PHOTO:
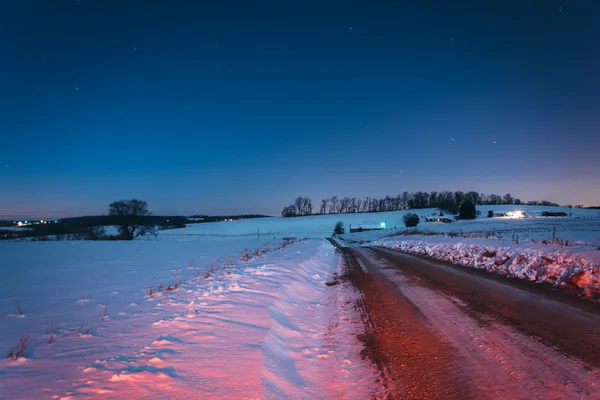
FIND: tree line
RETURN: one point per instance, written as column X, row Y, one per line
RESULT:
column 446, row 200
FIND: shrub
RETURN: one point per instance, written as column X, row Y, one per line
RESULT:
column 490, row 214
column 339, row 228
column 410, row 220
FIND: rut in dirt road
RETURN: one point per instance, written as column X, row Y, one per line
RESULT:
column 437, row 331
column 413, row 362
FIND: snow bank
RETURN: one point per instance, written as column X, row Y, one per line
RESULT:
column 574, row 267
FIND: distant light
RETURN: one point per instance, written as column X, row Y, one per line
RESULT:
column 383, row 224
column 515, row 214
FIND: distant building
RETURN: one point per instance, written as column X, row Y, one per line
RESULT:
column 554, row 214
column 445, row 219
column 515, row 214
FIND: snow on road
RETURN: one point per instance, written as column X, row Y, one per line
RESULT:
column 266, row 328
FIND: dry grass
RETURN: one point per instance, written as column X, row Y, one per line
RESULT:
column 19, row 350
column 18, row 307
column 50, row 333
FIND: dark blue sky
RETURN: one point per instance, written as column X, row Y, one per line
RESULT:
column 239, row 106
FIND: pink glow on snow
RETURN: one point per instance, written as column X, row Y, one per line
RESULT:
column 269, row 329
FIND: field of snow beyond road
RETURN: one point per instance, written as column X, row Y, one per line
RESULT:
column 584, row 225
column 562, row 266
column 268, row 327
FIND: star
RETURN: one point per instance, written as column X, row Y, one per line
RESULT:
column 452, row 138
column 135, row 49
column 76, row 88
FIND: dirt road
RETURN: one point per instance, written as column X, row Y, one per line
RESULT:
column 445, row 332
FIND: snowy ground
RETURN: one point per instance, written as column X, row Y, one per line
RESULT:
column 265, row 328
column 563, row 252
column 268, row 327
column 585, row 224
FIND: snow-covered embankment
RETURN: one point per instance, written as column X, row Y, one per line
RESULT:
column 561, row 266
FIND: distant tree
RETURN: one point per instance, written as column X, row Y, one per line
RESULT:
column 366, row 203
column 289, row 211
column 323, row 209
column 508, row 199
column 339, row 228
column 459, row 198
column 478, row 213
column 95, row 233
column 307, row 206
column 467, row 211
column 490, row 213
column 473, row 197
column 131, row 218
column 495, row 199
column 344, row 201
column 353, row 204
column 334, row 201
column 405, row 199
column 410, row 220
column 299, row 203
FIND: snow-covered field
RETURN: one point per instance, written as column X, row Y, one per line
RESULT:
column 585, row 225
column 563, row 252
column 265, row 328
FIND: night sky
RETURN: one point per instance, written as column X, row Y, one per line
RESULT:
column 221, row 107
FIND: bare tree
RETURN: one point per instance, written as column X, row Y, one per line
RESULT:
column 323, row 206
column 366, row 204
column 299, row 203
column 307, row 206
column 334, row 201
column 344, row 202
column 131, row 217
